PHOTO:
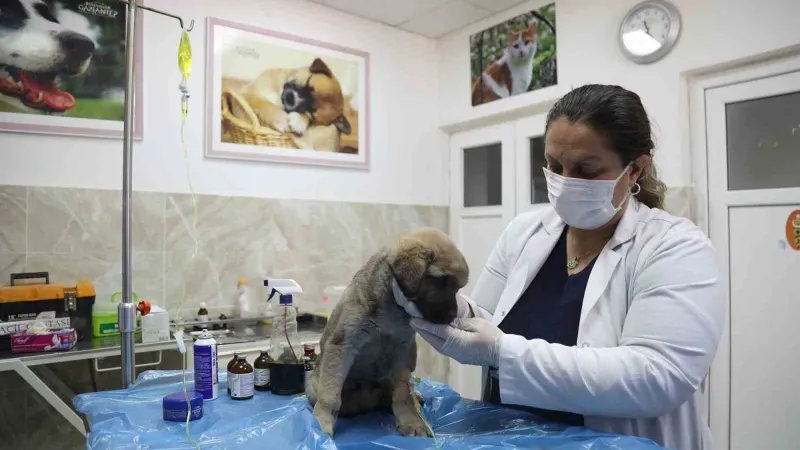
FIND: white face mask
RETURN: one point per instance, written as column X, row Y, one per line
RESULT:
column 584, row 204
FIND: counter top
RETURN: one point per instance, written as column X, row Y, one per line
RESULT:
column 237, row 339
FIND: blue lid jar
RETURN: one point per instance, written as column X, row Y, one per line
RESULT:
column 173, row 406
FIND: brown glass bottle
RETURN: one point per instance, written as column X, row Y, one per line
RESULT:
column 308, row 351
column 261, row 369
column 230, row 364
column 242, row 379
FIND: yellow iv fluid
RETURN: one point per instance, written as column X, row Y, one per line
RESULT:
column 185, row 56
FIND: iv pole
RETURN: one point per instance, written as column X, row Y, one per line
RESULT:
column 127, row 309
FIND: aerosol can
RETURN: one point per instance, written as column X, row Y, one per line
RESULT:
column 206, row 375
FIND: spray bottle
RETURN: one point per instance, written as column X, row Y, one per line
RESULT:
column 286, row 371
column 206, row 375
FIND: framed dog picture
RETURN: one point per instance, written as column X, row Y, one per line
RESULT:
column 62, row 68
column 277, row 97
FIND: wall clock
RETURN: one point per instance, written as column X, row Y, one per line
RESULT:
column 649, row 31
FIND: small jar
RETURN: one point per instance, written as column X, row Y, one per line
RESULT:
column 202, row 313
column 242, row 379
column 261, row 369
column 230, row 364
column 309, row 351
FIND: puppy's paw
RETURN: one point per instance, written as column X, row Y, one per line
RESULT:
column 412, row 426
column 297, row 123
column 281, row 123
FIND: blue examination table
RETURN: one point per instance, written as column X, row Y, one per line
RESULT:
column 131, row 419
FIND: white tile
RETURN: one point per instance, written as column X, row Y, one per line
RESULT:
column 495, row 5
column 446, row 18
column 392, row 12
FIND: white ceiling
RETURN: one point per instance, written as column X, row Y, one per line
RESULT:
column 431, row 18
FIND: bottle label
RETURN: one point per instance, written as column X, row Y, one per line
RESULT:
column 261, row 377
column 206, row 378
column 242, row 385
column 229, row 381
column 203, row 318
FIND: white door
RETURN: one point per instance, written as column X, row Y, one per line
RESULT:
column 753, row 135
column 482, row 205
column 531, row 185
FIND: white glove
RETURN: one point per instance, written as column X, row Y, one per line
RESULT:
column 469, row 341
column 464, row 309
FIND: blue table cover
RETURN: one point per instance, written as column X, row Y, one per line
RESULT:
column 132, row 419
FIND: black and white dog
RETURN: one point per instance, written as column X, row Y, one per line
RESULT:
column 41, row 41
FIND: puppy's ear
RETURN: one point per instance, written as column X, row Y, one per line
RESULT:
column 342, row 124
column 318, row 66
column 409, row 259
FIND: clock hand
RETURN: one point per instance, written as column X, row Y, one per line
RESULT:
column 646, row 28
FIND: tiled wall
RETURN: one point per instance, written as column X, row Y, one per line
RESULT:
column 76, row 234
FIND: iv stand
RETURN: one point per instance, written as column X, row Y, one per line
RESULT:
column 127, row 309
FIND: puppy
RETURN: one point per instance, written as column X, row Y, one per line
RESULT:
column 40, row 42
column 291, row 100
column 367, row 350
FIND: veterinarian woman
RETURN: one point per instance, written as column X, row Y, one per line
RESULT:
column 601, row 310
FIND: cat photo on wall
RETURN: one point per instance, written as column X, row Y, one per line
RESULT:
column 514, row 57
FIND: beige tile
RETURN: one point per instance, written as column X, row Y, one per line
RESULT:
column 10, row 263
column 315, row 243
column 64, row 220
column 384, row 222
column 13, row 208
column 105, row 272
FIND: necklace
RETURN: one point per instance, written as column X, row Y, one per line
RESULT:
column 572, row 263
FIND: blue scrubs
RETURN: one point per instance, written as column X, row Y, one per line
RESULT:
column 549, row 309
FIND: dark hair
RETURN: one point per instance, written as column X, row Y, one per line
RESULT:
column 618, row 115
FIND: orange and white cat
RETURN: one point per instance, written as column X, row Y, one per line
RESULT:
column 512, row 73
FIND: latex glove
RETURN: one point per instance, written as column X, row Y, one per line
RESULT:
column 469, row 341
column 464, row 309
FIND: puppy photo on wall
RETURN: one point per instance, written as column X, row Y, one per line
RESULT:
column 286, row 98
column 62, row 58
column 368, row 349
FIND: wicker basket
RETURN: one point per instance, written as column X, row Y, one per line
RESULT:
column 241, row 132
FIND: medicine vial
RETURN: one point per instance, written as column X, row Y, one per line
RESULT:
column 261, row 369
column 242, row 379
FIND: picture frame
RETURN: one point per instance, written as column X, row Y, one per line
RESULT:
column 81, row 95
column 514, row 57
column 277, row 97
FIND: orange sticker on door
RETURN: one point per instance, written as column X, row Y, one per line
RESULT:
column 793, row 229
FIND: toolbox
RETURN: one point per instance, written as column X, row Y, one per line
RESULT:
column 30, row 294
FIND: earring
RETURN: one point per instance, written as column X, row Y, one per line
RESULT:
column 638, row 189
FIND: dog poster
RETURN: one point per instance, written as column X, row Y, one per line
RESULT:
column 62, row 67
column 283, row 98
column 514, row 57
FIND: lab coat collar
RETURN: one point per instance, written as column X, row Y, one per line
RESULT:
column 540, row 245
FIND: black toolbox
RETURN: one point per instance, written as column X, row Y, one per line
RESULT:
column 25, row 298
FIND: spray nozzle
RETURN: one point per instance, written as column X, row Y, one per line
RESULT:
column 284, row 288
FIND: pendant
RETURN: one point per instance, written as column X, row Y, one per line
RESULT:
column 572, row 263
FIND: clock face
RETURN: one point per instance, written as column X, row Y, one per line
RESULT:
column 646, row 30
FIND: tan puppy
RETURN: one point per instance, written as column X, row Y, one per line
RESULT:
column 291, row 100
column 367, row 350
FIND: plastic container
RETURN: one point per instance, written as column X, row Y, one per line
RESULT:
column 105, row 316
column 289, row 378
column 173, row 406
column 155, row 325
column 242, row 300
column 206, row 376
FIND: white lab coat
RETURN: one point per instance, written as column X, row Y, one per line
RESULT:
column 651, row 321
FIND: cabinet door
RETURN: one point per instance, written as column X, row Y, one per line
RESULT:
column 531, row 185
column 481, row 206
column 753, row 135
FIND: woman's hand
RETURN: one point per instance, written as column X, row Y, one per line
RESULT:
column 468, row 341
